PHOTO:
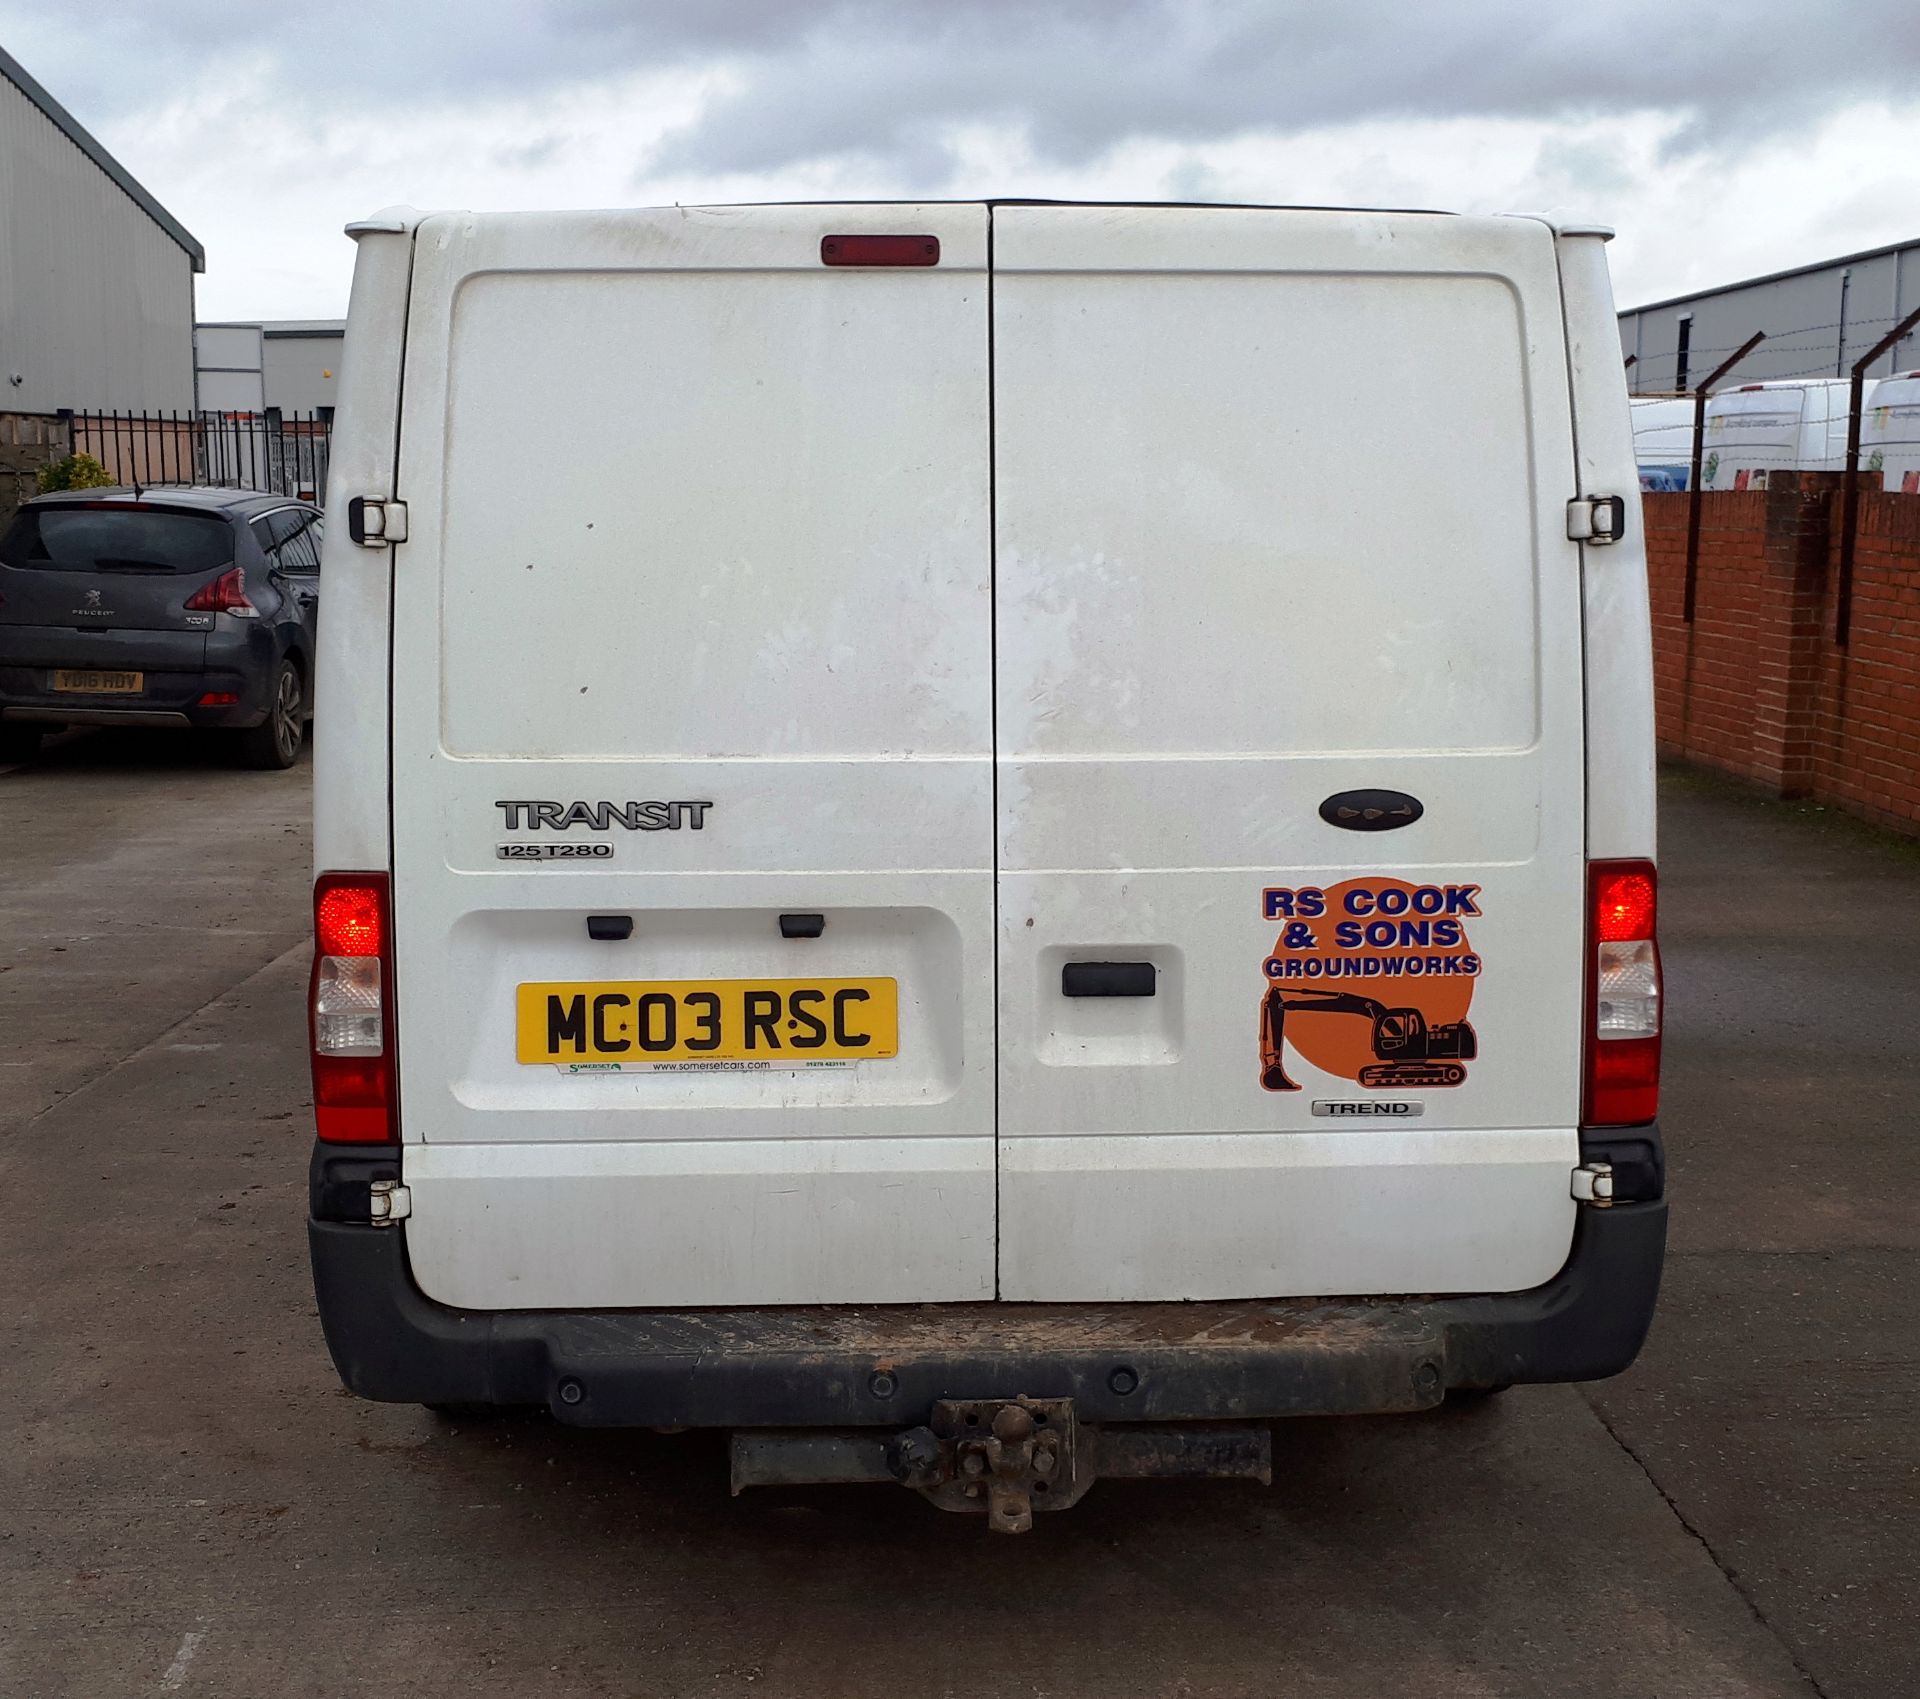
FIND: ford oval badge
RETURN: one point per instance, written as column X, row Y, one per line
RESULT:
column 1371, row 811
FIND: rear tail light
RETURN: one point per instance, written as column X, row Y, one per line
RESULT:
column 1623, row 994
column 351, row 1012
column 227, row 594
column 217, row 699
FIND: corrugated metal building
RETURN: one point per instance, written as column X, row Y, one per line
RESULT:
column 1819, row 319
column 96, row 277
column 291, row 364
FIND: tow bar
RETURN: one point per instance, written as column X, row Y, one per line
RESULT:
column 1006, row 1457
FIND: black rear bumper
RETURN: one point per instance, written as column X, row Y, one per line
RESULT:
column 177, row 668
column 887, row 1366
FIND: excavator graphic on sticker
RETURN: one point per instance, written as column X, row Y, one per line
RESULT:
column 1410, row 1052
column 1402, row 973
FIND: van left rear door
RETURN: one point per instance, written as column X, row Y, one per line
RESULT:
column 692, row 633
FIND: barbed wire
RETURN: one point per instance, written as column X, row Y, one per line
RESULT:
column 1777, row 342
column 1773, row 337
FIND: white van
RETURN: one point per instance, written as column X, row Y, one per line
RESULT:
column 1663, row 441
column 1787, row 425
column 918, row 861
column 1890, row 432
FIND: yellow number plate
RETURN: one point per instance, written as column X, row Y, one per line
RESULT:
column 99, row 684
column 784, row 1023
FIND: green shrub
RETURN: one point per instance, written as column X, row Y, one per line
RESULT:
column 76, row 472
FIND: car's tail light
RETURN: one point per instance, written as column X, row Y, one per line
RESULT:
column 227, row 594
column 351, row 1008
column 217, row 699
column 1623, row 994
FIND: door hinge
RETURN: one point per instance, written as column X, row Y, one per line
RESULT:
column 1593, row 1183
column 374, row 522
column 387, row 1202
column 1596, row 519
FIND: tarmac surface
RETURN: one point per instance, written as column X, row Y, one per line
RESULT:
column 190, row 1504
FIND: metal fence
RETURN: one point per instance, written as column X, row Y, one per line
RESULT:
column 285, row 453
column 1850, row 470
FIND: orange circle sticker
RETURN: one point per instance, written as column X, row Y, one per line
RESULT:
column 1370, row 980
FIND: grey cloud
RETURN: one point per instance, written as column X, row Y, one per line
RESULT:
column 1594, row 168
column 1214, row 68
column 868, row 82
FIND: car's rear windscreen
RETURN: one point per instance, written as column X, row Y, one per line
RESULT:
column 116, row 539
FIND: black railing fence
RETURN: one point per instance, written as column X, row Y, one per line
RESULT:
column 281, row 452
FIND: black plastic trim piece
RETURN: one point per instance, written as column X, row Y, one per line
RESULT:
column 1638, row 1158
column 777, row 1368
column 1107, row 979
column 339, row 1177
column 609, row 928
column 802, row 925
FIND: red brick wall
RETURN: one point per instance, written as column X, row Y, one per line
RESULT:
column 1866, row 730
column 1756, row 684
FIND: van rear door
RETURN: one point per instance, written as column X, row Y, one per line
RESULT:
column 1762, row 428
column 1281, row 522
column 692, row 777
column 1890, row 432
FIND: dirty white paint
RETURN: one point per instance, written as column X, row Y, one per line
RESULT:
column 1280, row 512
column 693, row 516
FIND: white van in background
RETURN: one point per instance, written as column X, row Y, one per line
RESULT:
column 1663, row 440
column 1890, row 432
column 1797, row 424
column 945, row 879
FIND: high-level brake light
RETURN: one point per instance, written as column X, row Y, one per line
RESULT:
column 879, row 250
column 351, row 1004
column 1623, row 994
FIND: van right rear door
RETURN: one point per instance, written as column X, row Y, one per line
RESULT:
column 1280, row 517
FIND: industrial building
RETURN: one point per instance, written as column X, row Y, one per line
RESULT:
column 292, row 365
column 1818, row 320
column 96, row 276
column 96, row 286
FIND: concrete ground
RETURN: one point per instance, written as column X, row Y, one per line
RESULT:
column 190, row 1504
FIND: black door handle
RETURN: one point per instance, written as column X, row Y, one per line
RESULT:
column 1107, row 979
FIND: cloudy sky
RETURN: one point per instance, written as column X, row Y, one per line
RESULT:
column 1721, row 142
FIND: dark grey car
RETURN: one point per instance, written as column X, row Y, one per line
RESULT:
column 161, row 607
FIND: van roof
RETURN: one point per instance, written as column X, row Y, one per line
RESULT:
column 1786, row 383
column 996, row 200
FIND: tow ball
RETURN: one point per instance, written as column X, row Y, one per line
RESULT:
column 1006, row 1457
column 1001, row 1457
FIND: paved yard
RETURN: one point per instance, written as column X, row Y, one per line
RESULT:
column 189, row 1503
